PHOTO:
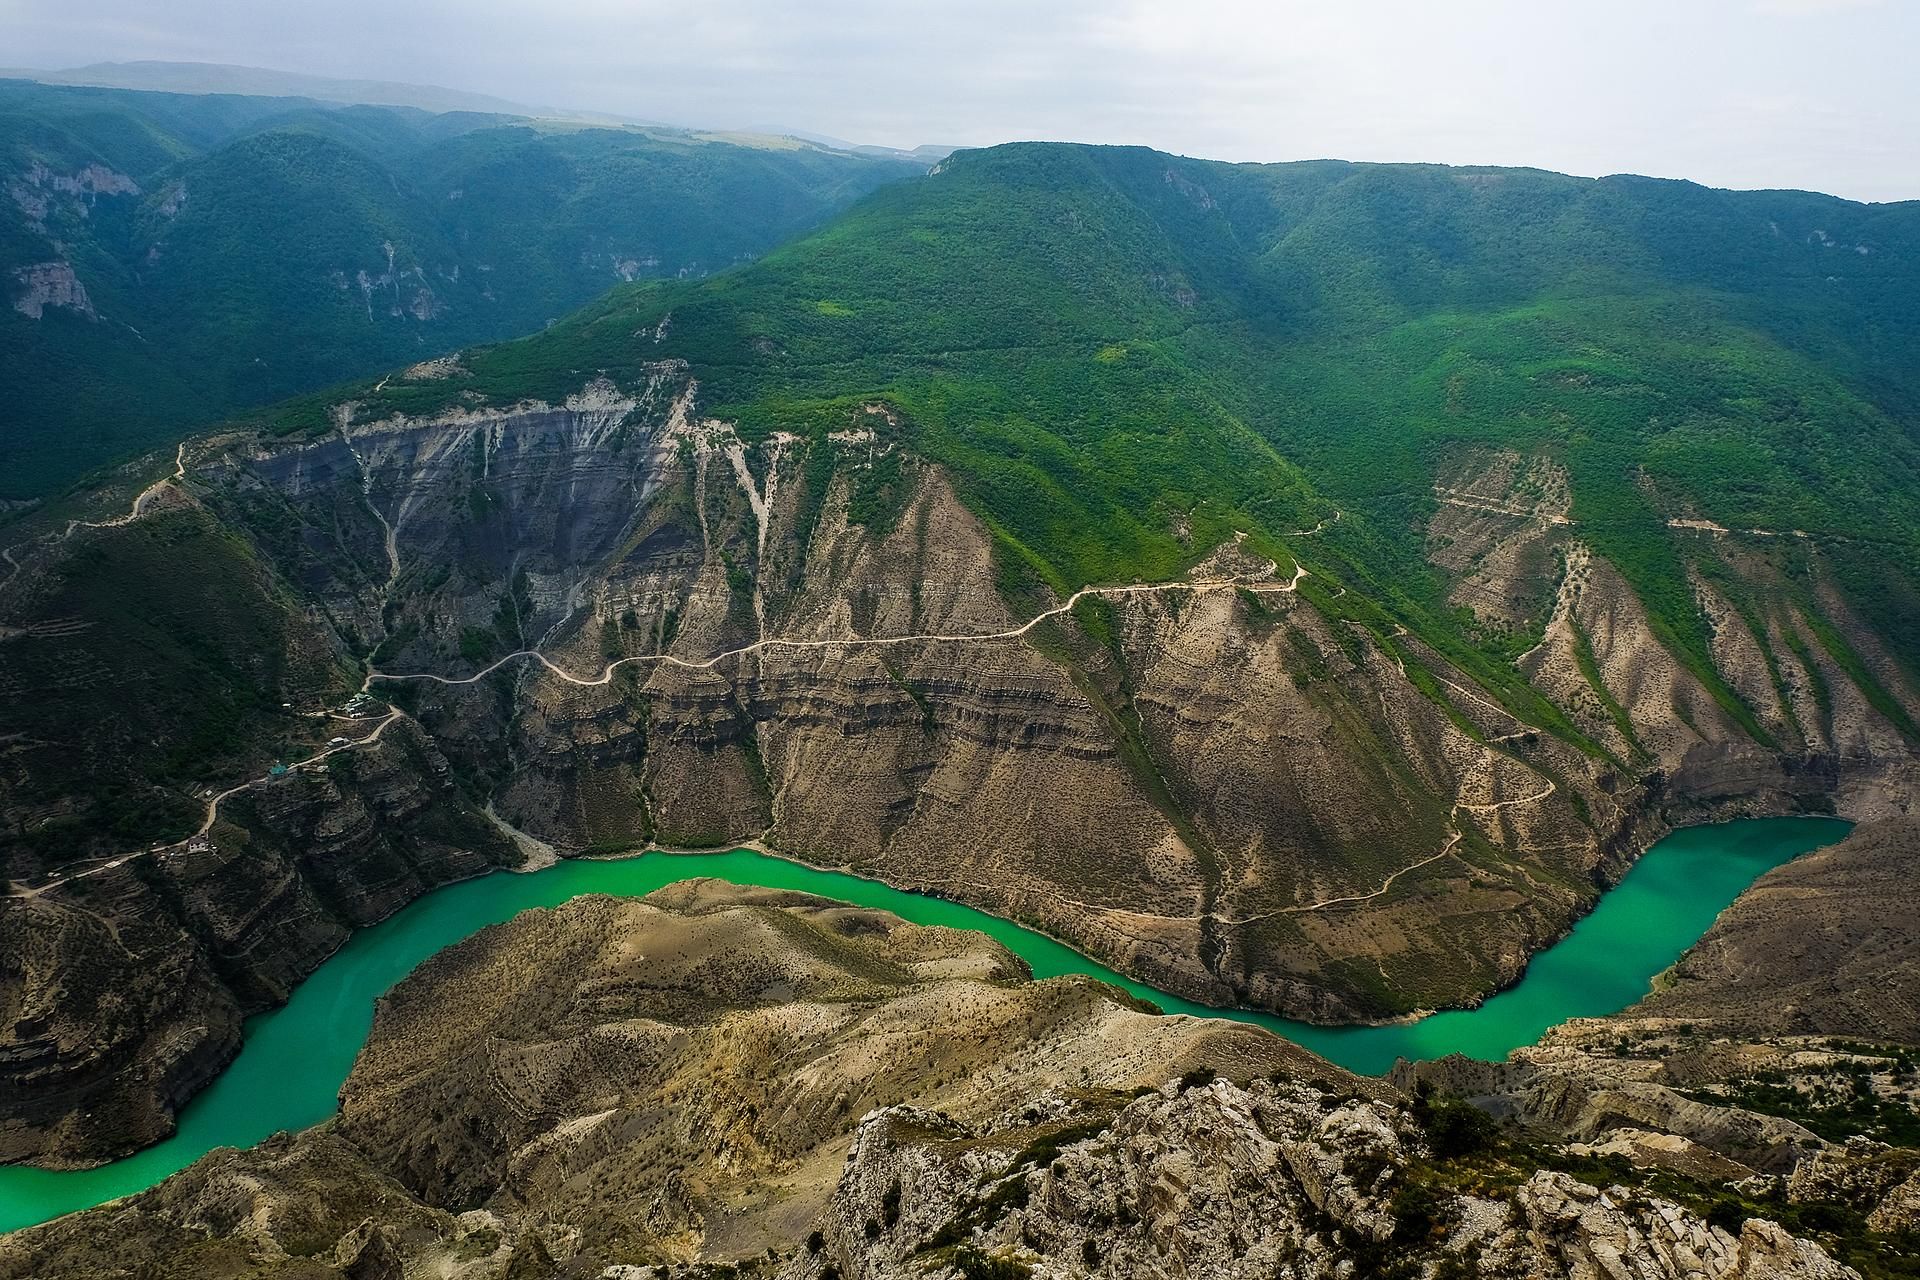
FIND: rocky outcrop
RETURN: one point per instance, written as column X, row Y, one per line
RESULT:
column 1883, row 1179
column 38, row 191
column 50, row 284
column 1602, row 1101
column 1587, row 1231
column 1233, row 1181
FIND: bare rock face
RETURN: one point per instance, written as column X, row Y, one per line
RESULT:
column 1586, row 1231
column 117, row 1017
column 50, row 284
column 42, row 194
column 1221, row 787
column 1230, row 1181
column 1866, row 1173
column 1215, row 1180
column 1899, row 1210
column 158, row 961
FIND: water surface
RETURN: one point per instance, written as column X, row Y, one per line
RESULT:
column 289, row 1073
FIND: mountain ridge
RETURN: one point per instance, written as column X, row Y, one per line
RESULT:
column 168, row 259
column 161, row 76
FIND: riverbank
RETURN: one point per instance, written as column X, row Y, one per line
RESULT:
column 289, row 1072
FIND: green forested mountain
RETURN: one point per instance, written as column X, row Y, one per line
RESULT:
column 168, row 259
column 1109, row 345
column 263, row 82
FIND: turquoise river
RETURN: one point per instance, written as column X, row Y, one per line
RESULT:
column 295, row 1058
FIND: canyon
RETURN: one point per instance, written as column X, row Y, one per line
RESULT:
column 1138, row 549
column 1162, row 776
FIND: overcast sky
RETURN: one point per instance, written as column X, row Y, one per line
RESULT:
column 1823, row 94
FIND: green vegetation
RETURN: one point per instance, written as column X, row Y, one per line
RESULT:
column 1590, row 671
column 277, row 245
column 175, row 653
column 1123, row 358
column 1838, row 1103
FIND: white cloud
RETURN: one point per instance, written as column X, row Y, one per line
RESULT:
column 1811, row 93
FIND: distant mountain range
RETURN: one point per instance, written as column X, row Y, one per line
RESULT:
column 264, row 82
column 167, row 258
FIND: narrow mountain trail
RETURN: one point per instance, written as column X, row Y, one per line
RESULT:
column 1385, row 885
column 1453, row 814
column 97, row 867
column 606, row 674
column 1453, row 820
column 845, row 642
column 1320, row 528
column 134, row 512
column 68, row 876
column 138, row 509
column 1493, row 507
column 1304, row 908
column 1453, row 840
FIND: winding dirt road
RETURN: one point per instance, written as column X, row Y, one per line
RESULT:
column 96, row 867
column 67, row 875
column 138, row 509
column 707, row 664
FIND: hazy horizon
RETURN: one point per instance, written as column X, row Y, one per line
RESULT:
column 1740, row 93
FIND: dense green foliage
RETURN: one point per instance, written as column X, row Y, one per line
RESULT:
column 275, row 245
column 218, row 654
column 1122, row 357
